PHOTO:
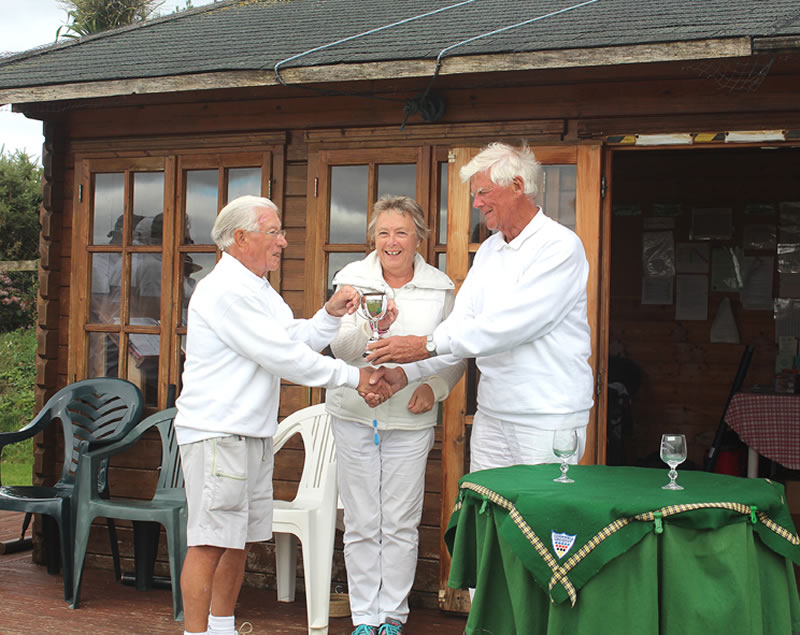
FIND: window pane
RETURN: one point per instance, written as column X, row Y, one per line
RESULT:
column 201, row 203
column 335, row 263
column 243, row 181
column 441, row 262
column 143, row 350
column 475, row 222
column 443, row 203
column 145, row 287
column 195, row 268
column 103, row 355
column 106, row 276
column 348, row 219
column 557, row 193
column 148, row 208
column 109, row 198
column 400, row 180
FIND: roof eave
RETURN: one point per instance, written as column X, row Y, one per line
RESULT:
column 394, row 69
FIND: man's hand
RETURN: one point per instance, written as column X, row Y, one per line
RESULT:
column 394, row 378
column 374, row 393
column 345, row 300
column 398, row 349
column 422, row 399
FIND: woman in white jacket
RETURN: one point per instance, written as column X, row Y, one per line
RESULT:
column 382, row 451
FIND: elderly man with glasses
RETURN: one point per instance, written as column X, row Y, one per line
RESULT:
column 242, row 338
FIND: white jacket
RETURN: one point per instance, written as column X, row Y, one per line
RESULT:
column 521, row 313
column 242, row 338
column 422, row 304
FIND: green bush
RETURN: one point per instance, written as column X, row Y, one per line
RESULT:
column 17, row 378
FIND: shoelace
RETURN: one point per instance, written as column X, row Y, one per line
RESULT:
column 364, row 629
column 245, row 625
column 391, row 629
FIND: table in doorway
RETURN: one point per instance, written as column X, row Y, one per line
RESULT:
column 769, row 424
column 615, row 553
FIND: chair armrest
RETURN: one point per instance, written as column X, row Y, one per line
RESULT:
column 32, row 429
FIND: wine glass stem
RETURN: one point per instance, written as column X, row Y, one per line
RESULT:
column 673, row 474
column 564, row 468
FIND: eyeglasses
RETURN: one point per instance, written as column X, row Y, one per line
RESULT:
column 273, row 232
column 482, row 191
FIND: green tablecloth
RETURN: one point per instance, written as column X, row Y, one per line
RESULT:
column 712, row 558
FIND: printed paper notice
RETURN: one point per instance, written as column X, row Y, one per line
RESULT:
column 691, row 297
column 657, row 290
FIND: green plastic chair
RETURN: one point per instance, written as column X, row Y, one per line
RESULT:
column 91, row 412
column 167, row 507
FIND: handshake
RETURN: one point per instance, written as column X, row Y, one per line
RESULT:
column 376, row 385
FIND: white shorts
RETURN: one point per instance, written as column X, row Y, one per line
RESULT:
column 228, row 491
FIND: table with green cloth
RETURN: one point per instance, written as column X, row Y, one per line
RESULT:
column 614, row 553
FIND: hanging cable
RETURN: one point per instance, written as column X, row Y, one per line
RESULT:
column 502, row 30
column 365, row 33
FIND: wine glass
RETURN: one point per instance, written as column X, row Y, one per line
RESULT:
column 565, row 445
column 673, row 453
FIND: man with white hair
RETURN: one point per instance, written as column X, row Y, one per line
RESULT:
column 242, row 338
column 521, row 313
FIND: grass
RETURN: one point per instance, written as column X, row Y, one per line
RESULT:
column 17, row 377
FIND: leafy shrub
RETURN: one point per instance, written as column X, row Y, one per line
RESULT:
column 17, row 300
column 17, row 403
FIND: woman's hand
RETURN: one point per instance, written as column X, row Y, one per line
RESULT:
column 422, row 399
column 389, row 317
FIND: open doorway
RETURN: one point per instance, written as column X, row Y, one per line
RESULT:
column 689, row 226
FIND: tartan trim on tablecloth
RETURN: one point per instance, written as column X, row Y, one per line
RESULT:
column 737, row 507
column 530, row 535
column 561, row 572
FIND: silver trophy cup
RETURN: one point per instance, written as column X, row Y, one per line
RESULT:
column 372, row 307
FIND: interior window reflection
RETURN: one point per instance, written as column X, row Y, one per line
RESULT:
column 348, row 219
column 243, row 181
column 201, row 203
column 109, row 198
column 399, row 180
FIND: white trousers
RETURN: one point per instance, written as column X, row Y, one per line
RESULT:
column 497, row 443
column 382, row 488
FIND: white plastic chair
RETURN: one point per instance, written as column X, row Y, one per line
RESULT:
column 311, row 516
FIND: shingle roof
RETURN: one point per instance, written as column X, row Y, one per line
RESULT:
column 251, row 35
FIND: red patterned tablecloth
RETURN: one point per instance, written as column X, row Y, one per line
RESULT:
column 769, row 424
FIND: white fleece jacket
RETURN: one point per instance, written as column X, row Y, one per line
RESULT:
column 422, row 304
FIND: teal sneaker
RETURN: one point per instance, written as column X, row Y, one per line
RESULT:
column 365, row 629
column 391, row 627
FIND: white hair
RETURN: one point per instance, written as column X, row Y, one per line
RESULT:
column 240, row 213
column 503, row 163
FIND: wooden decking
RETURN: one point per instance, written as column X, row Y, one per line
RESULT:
column 32, row 601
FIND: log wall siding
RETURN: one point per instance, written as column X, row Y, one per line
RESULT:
column 570, row 106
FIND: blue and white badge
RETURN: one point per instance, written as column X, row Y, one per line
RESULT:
column 562, row 543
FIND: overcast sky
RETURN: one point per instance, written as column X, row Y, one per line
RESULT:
column 25, row 24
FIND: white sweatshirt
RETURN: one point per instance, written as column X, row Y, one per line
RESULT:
column 521, row 313
column 422, row 304
column 242, row 338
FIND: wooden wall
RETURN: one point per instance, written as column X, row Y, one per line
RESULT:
column 569, row 106
column 686, row 377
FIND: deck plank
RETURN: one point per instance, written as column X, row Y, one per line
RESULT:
column 31, row 601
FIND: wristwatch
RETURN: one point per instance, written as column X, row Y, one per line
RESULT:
column 430, row 346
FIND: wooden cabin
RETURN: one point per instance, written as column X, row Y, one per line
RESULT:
column 668, row 123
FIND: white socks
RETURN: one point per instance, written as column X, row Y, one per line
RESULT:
column 221, row 625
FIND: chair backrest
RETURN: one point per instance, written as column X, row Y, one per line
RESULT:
column 170, row 473
column 314, row 426
column 95, row 410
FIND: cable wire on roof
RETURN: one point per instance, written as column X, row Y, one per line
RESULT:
column 365, row 33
